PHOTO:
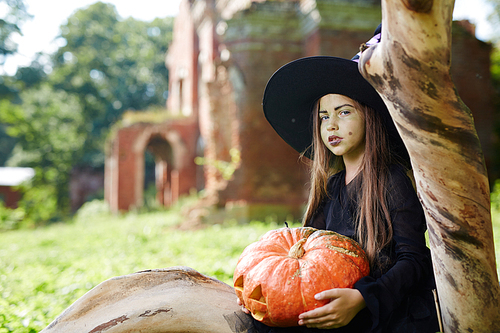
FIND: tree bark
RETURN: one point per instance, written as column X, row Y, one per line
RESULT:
column 410, row 69
column 176, row 299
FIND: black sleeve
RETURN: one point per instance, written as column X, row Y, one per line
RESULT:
column 383, row 293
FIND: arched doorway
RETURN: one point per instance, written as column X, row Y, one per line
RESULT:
column 173, row 147
column 166, row 177
column 149, row 180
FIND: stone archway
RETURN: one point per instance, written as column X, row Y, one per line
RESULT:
column 174, row 146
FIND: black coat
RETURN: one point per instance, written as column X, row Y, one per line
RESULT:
column 398, row 293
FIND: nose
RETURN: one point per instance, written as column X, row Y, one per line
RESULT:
column 332, row 125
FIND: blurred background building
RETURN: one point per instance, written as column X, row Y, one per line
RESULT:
column 10, row 178
column 222, row 54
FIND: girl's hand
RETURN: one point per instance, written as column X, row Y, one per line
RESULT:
column 344, row 305
column 242, row 307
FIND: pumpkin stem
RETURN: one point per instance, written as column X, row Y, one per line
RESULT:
column 297, row 250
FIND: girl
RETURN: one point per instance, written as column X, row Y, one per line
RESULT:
column 324, row 108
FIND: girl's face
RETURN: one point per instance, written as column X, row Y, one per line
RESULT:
column 342, row 126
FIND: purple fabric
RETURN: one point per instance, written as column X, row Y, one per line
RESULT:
column 374, row 40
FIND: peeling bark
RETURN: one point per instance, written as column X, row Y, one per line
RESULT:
column 410, row 69
column 176, row 299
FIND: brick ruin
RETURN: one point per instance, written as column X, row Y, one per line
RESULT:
column 222, row 54
column 172, row 145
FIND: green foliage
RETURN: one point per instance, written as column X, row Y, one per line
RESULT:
column 43, row 271
column 40, row 205
column 57, row 121
column 7, row 143
column 91, row 209
column 153, row 115
column 226, row 169
column 495, row 67
column 495, row 196
column 50, row 134
column 112, row 65
column 10, row 219
column 495, row 215
column 494, row 17
column 14, row 14
column 49, row 128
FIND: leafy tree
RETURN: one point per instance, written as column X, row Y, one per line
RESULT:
column 50, row 132
column 7, row 143
column 494, row 17
column 60, row 120
column 112, row 65
column 25, row 78
column 14, row 14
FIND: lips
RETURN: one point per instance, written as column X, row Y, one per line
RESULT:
column 334, row 140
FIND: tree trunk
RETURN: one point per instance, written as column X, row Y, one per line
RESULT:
column 410, row 69
column 176, row 299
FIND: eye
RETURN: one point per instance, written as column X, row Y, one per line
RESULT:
column 323, row 116
column 344, row 112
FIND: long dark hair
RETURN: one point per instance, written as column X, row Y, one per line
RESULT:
column 373, row 222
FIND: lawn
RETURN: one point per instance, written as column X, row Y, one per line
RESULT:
column 43, row 271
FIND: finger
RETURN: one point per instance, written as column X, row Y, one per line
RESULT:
column 323, row 322
column 318, row 312
column 243, row 308
column 327, row 294
column 320, row 320
column 313, row 314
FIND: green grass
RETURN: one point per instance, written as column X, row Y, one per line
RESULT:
column 43, row 271
column 495, row 215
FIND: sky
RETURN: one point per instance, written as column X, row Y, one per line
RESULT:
column 39, row 33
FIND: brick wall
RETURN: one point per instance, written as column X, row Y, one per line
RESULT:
column 9, row 196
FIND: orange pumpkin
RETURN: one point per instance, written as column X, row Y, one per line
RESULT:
column 277, row 277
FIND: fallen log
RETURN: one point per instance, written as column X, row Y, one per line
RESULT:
column 177, row 299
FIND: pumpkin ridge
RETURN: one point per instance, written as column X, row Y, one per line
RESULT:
column 339, row 237
column 269, row 318
column 298, row 273
column 293, row 236
column 342, row 250
column 304, row 304
column 280, row 239
column 356, row 265
column 264, row 244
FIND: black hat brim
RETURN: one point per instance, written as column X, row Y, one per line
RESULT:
column 292, row 91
